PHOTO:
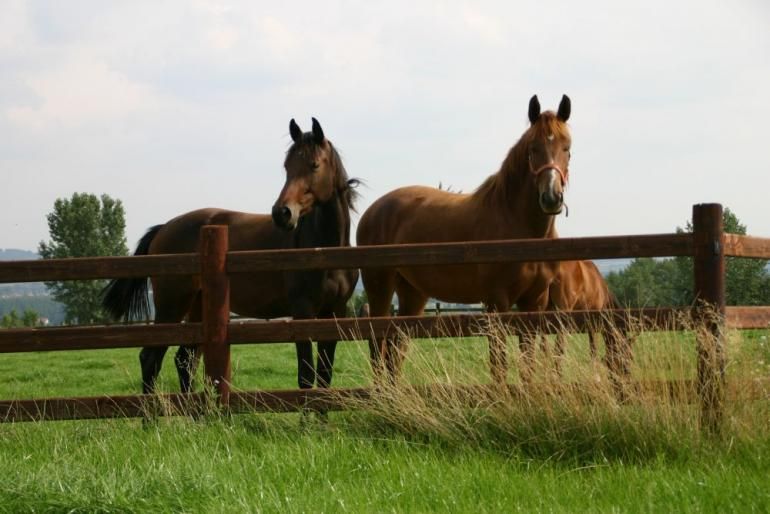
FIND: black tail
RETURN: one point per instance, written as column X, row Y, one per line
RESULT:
column 127, row 298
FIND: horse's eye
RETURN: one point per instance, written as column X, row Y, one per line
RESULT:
column 314, row 165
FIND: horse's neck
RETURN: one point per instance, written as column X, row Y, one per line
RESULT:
column 327, row 225
column 510, row 200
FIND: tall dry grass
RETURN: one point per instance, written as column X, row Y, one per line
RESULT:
column 445, row 394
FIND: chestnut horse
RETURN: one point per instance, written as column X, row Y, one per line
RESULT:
column 313, row 210
column 579, row 285
column 520, row 201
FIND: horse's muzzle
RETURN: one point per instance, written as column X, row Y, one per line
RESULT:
column 551, row 203
column 282, row 217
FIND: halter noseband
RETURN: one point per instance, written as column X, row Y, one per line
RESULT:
column 562, row 173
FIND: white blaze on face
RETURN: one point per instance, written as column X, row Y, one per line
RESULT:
column 553, row 177
column 550, row 188
column 295, row 209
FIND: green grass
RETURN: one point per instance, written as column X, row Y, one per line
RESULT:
column 250, row 464
column 548, row 455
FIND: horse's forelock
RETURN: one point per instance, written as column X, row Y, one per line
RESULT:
column 546, row 125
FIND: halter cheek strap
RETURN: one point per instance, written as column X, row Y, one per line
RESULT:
column 564, row 174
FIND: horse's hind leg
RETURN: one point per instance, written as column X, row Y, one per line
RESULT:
column 186, row 358
column 379, row 285
column 618, row 361
column 411, row 302
column 592, row 346
column 167, row 310
column 151, row 360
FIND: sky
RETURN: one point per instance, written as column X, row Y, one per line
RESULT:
column 171, row 106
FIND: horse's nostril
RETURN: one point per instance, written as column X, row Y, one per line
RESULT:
column 281, row 215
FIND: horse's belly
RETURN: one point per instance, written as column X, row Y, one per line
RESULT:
column 259, row 295
column 455, row 284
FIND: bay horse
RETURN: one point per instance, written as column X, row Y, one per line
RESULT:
column 579, row 285
column 520, row 201
column 312, row 210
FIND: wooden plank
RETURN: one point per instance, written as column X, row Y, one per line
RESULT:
column 278, row 331
column 457, row 325
column 747, row 246
column 748, row 317
column 610, row 247
column 292, row 400
column 215, row 286
column 95, row 407
column 87, row 268
column 98, row 337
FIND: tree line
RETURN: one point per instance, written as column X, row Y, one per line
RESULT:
column 648, row 282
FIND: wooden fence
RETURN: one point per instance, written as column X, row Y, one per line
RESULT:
column 708, row 245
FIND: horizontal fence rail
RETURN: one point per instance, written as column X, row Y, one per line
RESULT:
column 354, row 329
column 98, row 337
column 295, row 400
column 747, row 246
column 87, row 268
column 476, row 252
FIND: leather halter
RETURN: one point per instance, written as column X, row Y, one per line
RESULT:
column 562, row 173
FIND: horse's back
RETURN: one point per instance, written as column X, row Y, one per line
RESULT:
column 414, row 214
column 251, row 294
column 247, row 231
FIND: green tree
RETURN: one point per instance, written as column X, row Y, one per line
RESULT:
column 83, row 226
column 746, row 280
column 645, row 282
column 28, row 318
column 356, row 302
column 651, row 282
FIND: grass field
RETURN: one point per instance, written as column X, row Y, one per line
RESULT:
column 402, row 456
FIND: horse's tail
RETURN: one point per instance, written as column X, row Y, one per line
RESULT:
column 128, row 298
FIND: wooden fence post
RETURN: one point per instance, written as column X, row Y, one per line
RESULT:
column 215, row 285
column 709, row 277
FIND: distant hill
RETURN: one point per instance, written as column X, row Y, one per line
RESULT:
column 607, row 266
column 27, row 295
column 21, row 289
column 12, row 254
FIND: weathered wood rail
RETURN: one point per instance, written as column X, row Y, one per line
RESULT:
column 707, row 244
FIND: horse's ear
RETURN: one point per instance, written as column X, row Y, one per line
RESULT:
column 295, row 131
column 565, row 107
column 318, row 132
column 534, row 109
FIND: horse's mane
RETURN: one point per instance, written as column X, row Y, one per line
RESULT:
column 515, row 166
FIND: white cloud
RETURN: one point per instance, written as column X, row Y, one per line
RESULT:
column 82, row 90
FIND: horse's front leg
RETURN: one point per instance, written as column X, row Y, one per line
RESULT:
column 303, row 308
column 497, row 338
column 527, row 338
column 305, row 369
